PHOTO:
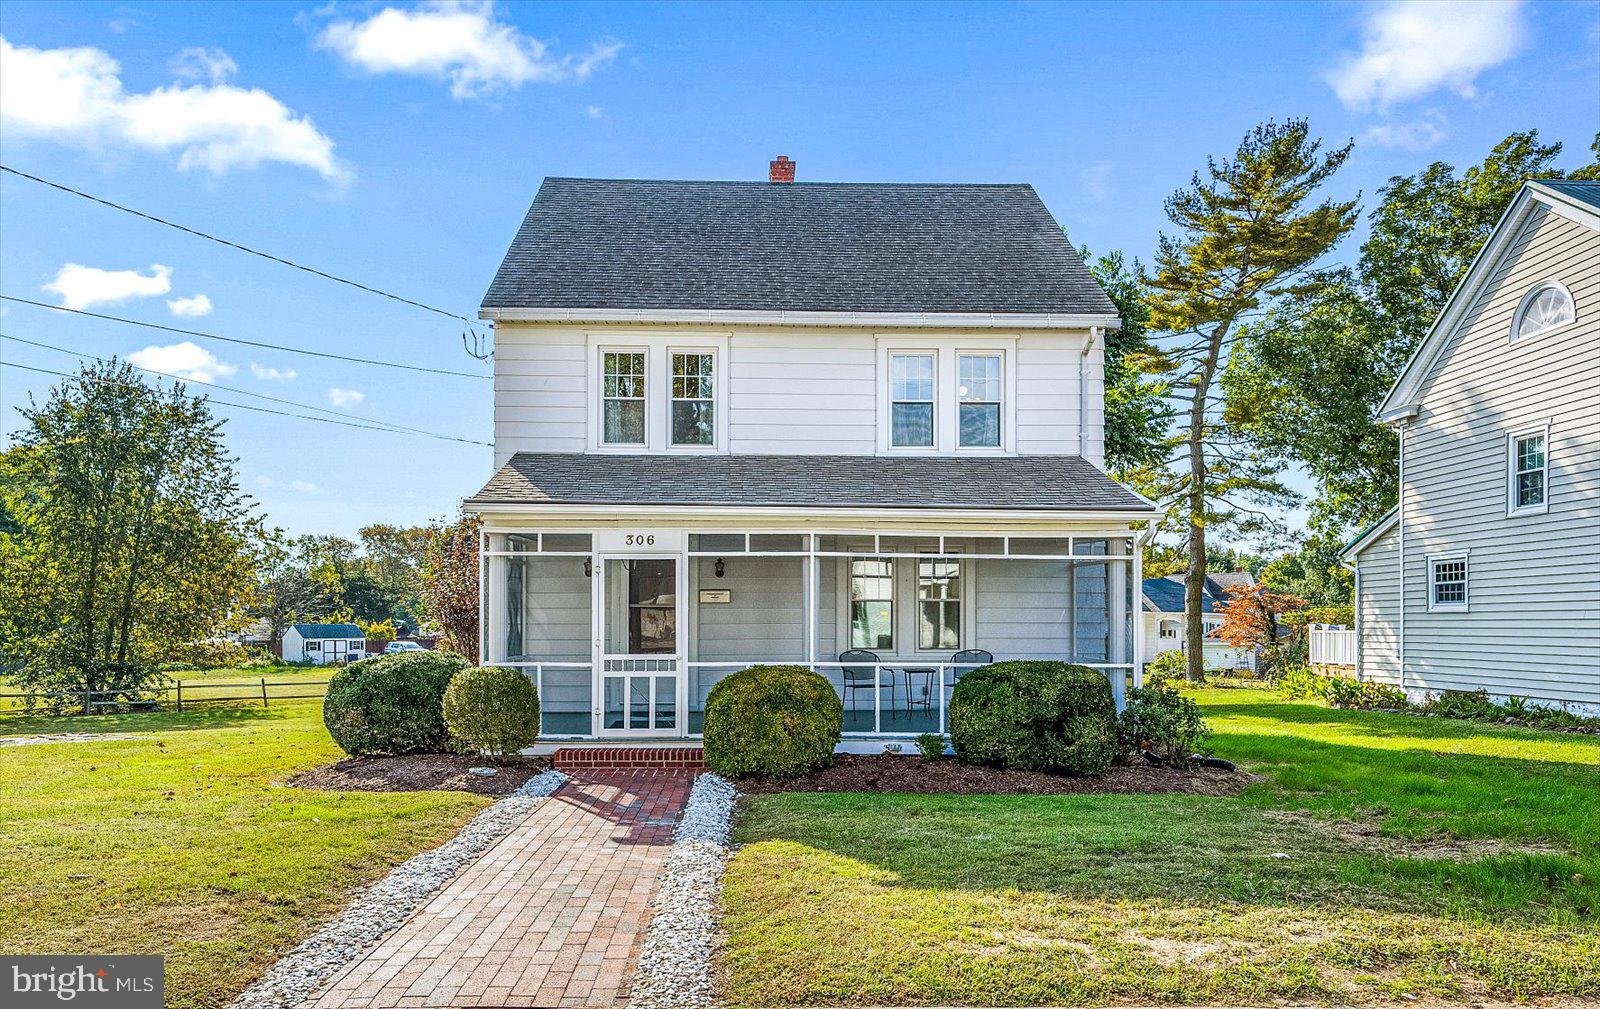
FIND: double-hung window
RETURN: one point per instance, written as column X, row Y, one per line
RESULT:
column 1447, row 582
column 693, row 399
column 872, row 604
column 623, row 398
column 1528, row 476
column 911, row 385
column 978, row 389
column 938, row 605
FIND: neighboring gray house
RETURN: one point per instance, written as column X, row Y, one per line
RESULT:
column 1164, row 619
column 1487, row 573
column 774, row 422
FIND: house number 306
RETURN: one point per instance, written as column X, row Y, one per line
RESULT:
column 639, row 540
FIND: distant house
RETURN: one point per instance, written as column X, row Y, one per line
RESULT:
column 323, row 644
column 1163, row 622
column 1487, row 573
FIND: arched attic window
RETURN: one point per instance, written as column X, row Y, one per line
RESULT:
column 1547, row 305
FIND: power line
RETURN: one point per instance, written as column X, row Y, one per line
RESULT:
column 248, row 343
column 235, row 245
column 237, row 406
column 225, row 388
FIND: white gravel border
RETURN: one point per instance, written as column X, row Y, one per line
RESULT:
column 385, row 905
column 675, row 965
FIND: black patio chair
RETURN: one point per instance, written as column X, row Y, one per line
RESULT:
column 969, row 659
column 857, row 678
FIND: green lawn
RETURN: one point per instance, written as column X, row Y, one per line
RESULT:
column 1014, row 900
column 184, row 842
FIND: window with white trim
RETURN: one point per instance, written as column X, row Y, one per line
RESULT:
column 693, row 399
column 1546, row 306
column 1169, row 629
column 938, row 605
column 622, row 420
column 1447, row 582
column 978, row 393
column 1528, row 465
column 872, row 604
column 911, row 390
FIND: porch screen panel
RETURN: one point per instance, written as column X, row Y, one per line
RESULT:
column 1022, row 609
column 762, row 621
column 557, row 610
column 1091, row 612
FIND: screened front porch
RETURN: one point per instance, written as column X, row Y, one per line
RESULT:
column 625, row 633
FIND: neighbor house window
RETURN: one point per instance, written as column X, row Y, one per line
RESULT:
column 911, row 400
column 872, row 604
column 1169, row 629
column 1447, row 583
column 978, row 392
column 692, row 399
column 938, row 605
column 622, row 420
column 1545, row 307
column 1530, row 472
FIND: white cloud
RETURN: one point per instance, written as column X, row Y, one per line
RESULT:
column 466, row 44
column 266, row 481
column 1096, row 180
column 594, row 112
column 76, row 96
column 266, row 374
column 84, row 286
column 200, row 64
column 305, row 486
column 1414, row 136
column 1411, row 48
column 184, row 360
column 190, row 308
column 345, row 397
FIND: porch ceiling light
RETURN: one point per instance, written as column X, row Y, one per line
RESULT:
column 719, row 567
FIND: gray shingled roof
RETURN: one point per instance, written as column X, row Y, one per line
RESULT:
column 1165, row 595
column 1044, row 482
column 1578, row 189
column 824, row 247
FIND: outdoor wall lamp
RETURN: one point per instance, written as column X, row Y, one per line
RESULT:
column 588, row 567
column 719, row 567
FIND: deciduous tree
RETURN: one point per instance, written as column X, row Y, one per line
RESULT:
column 450, row 583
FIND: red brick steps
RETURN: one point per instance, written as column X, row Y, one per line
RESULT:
column 601, row 758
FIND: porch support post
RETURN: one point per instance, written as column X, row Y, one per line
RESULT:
column 811, row 568
column 1137, row 543
column 1117, row 575
column 483, row 596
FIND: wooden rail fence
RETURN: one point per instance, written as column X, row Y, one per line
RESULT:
column 171, row 696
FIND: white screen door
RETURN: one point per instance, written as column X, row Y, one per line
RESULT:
column 638, row 669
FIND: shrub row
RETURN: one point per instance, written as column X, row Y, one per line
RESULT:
column 1475, row 705
column 423, row 702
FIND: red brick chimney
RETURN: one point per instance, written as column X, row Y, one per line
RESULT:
column 781, row 170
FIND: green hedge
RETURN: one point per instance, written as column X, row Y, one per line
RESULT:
column 391, row 704
column 771, row 721
column 493, row 710
column 1035, row 716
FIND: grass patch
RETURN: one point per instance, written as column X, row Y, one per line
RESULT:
column 1014, row 900
column 183, row 841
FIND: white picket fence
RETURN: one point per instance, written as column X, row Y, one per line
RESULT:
column 1332, row 645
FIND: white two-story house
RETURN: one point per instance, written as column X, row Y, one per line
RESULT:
column 852, row 427
column 1486, row 575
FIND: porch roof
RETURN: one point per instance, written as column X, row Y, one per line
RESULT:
column 1058, row 483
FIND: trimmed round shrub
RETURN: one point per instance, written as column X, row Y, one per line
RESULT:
column 492, row 709
column 772, row 721
column 391, row 704
column 1035, row 716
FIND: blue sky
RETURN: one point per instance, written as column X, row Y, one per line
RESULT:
column 400, row 146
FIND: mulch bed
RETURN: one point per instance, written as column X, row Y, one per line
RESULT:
column 852, row 772
column 419, row 772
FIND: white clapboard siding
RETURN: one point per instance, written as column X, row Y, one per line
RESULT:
column 1533, row 626
column 1378, row 609
column 789, row 390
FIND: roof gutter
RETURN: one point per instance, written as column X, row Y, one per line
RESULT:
column 880, row 320
column 616, row 511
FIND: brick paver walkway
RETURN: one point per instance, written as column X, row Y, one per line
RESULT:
column 552, row 915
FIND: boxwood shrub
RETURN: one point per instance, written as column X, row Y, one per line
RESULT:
column 771, row 721
column 493, row 710
column 1035, row 716
column 391, row 704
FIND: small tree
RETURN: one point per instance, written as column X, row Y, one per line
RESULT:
column 450, row 583
column 1250, row 618
column 377, row 632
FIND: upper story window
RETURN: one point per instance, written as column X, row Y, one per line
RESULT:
column 1447, row 582
column 911, row 385
column 1528, row 472
column 623, row 406
column 1546, row 306
column 978, row 388
column 693, row 399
